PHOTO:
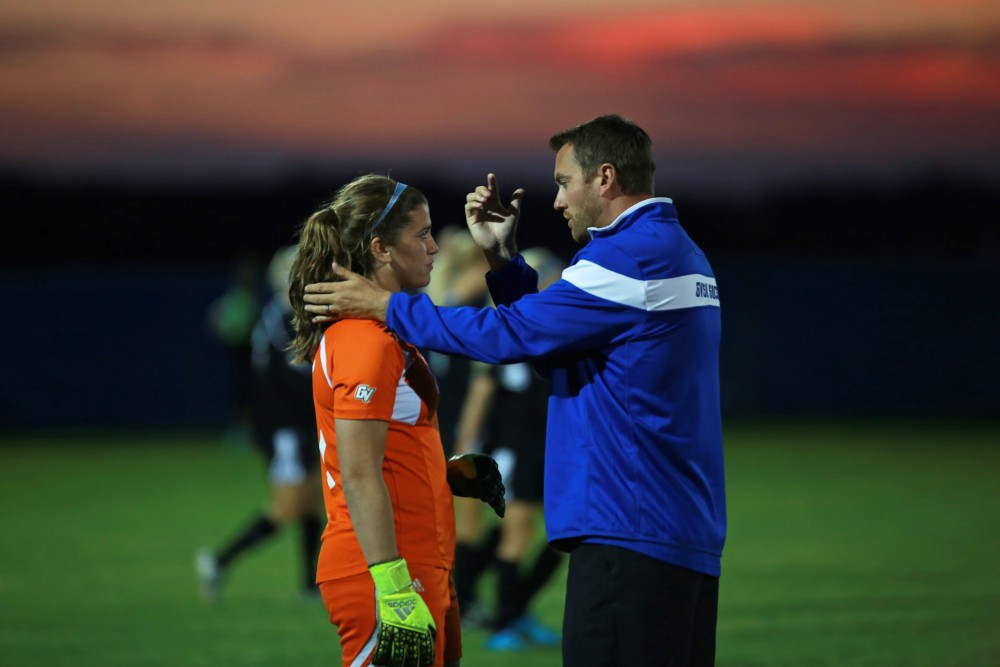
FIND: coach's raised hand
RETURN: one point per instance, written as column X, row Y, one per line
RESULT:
column 493, row 225
column 353, row 296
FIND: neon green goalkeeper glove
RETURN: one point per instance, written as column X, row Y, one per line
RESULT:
column 406, row 628
column 477, row 476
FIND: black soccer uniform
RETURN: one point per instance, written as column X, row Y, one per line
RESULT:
column 515, row 431
column 284, row 419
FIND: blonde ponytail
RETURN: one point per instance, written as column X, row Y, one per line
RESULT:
column 319, row 248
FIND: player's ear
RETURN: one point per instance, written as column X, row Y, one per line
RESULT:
column 380, row 250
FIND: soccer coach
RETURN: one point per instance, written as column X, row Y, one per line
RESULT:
column 629, row 336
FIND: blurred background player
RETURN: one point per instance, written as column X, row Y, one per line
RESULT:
column 284, row 430
column 231, row 319
column 505, row 411
column 457, row 280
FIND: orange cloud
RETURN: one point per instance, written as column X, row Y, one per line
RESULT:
column 617, row 40
column 799, row 82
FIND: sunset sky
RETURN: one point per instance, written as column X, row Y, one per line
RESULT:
column 730, row 90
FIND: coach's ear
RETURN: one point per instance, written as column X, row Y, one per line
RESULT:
column 607, row 181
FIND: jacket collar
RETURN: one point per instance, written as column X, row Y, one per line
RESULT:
column 630, row 214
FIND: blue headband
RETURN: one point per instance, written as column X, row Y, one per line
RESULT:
column 388, row 207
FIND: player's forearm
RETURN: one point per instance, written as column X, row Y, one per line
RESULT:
column 371, row 515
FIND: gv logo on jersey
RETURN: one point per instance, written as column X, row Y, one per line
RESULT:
column 364, row 393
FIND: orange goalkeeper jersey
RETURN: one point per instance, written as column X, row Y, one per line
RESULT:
column 363, row 371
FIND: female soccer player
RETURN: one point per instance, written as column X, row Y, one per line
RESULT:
column 385, row 562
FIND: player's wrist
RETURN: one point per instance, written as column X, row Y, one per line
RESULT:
column 390, row 576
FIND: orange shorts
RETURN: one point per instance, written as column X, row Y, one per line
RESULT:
column 351, row 604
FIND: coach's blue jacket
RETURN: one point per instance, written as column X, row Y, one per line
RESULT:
column 630, row 336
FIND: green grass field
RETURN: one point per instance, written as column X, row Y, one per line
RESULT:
column 849, row 544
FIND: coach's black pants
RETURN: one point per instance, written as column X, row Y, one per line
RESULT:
column 624, row 608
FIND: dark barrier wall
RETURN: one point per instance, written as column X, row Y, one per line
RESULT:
column 860, row 338
column 127, row 347
column 112, row 347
